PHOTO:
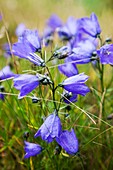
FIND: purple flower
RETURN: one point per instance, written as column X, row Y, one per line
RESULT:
column 33, row 39
column 32, row 149
column 6, row 73
column 91, row 25
column 68, row 68
column 83, row 52
column 106, row 54
column 70, row 29
column 76, row 84
column 20, row 29
column 54, row 22
column 25, row 83
column 24, row 50
column 50, row 129
column 68, row 141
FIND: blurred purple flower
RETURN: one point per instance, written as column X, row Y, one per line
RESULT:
column 50, row 129
column 76, row 84
column 7, row 50
column 32, row 149
column 20, row 29
column 68, row 68
column 54, row 22
column 68, row 141
column 24, row 50
column 70, row 29
column 6, row 73
column 105, row 54
column 91, row 25
column 83, row 52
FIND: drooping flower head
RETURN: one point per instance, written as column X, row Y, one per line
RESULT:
column 91, row 25
column 68, row 141
column 50, row 129
column 24, row 50
column 83, row 52
column 76, row 84
column 70, row 29
column 26, row 83
column 32, row 38
column 32, row 149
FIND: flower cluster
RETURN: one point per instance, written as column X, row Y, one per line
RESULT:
column 81, row 46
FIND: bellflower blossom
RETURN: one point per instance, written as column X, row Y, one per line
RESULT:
column 32, row 149
column 83, row 52
column 105, row 54
column 24, row 50
column 91, row 25
column 68, row 141
column 6, row 73
column 76, row 84
column 52, row 24
column 70, row 29
column 32, row 38
column 50, row 129
column 26, row 83
column 20, row 29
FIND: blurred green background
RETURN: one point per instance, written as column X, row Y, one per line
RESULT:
column 34, row 13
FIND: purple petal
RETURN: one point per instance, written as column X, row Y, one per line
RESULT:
column 25, row 83
column 6, row 73
column 50, row 129
column 68, row 141
column 31, row 149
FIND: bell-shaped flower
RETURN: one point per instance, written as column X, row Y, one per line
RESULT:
column 6, row 73
column 68, row 141
column 76, row 84
column 24, row 50
column 50, row 129
column 32, row 149
column 68, row 68
column 83, row 52
column 25, row 83
column 70, row 29
column 91, row 25
column 105, row 54
column 32, row 38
